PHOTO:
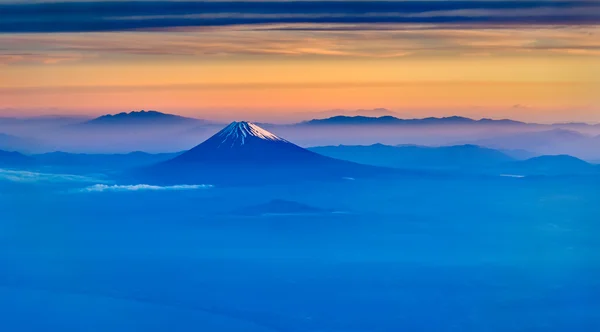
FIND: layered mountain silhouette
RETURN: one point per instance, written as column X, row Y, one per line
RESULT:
column 149, row 131
column 534, row 140
column 391, row 120
column 470, row 158
column 374, row 112
column 243, row 152
column 15, row 159
column 281, row 207
column 418, row 157
column 552, row 166
column 547, row 142
column 141, row 118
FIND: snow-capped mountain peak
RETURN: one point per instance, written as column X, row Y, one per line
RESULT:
column 243, row 152
column 237, row 133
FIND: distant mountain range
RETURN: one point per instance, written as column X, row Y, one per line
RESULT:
column 555, row 141
column 245, row 153
column 15, row 159
column 232, row 158
column 533, row 140
column 551, row 165
column 377, row 116
column 391, row 120
column 466, row 158
column 374, row 112
column 158, row 132
column 417, row 157
column 281, row 207
column 136, row 118
column 575, row 125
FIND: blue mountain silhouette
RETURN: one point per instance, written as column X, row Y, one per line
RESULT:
column 142, row 118
column 417, row 157
column 14, row 159
column 243, row 152
column 391, row 120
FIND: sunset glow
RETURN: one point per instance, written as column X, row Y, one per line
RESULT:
column 479, row 62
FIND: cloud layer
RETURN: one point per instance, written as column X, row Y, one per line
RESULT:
column 50, row 32
column 90, row 16
column 373, row 41
column 141, row 187
column 34, row 177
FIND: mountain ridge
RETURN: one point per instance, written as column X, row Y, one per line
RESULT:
column 276, row 207
column 553, row 165
column 392, row 120
column 14, row 159
column 142, row 118
column 460, row 158
column 243, row 152
column 417, row 157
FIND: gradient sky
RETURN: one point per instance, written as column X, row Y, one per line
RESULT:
column 260, row 60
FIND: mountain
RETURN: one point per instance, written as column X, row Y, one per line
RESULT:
column 469, row 158
column 582, row 127
column 576, row 125
column 375, row 112
column 391, row 120
column 148, row 131
column 417, row 157
column 141, row 118
column 14, row 159
column 534, row 138
column 552, row 165
column 246, row 143
column 243, row 152
column 518, row 154
column 547, row 142
column 281, row 207
column 383, row 116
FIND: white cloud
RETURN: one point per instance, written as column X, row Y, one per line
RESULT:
column 33, row 177
column 141, row 187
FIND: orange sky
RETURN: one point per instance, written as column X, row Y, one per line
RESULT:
column 232, row 73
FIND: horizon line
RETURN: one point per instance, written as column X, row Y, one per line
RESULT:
column 295, row 122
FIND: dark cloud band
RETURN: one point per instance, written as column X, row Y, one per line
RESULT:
column 90, row 16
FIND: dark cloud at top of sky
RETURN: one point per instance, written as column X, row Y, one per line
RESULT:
column 90, row 16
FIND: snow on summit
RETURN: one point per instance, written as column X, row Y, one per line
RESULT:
column 237, row 133
column 243, row 152
column 244, row 142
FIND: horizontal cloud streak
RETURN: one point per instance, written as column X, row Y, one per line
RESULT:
column 34, row 177
column 356, row 41
column 90, row 16
column 141, row 187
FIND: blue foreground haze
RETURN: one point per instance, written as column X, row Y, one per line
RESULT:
column 279, row 238
column 418, row 254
